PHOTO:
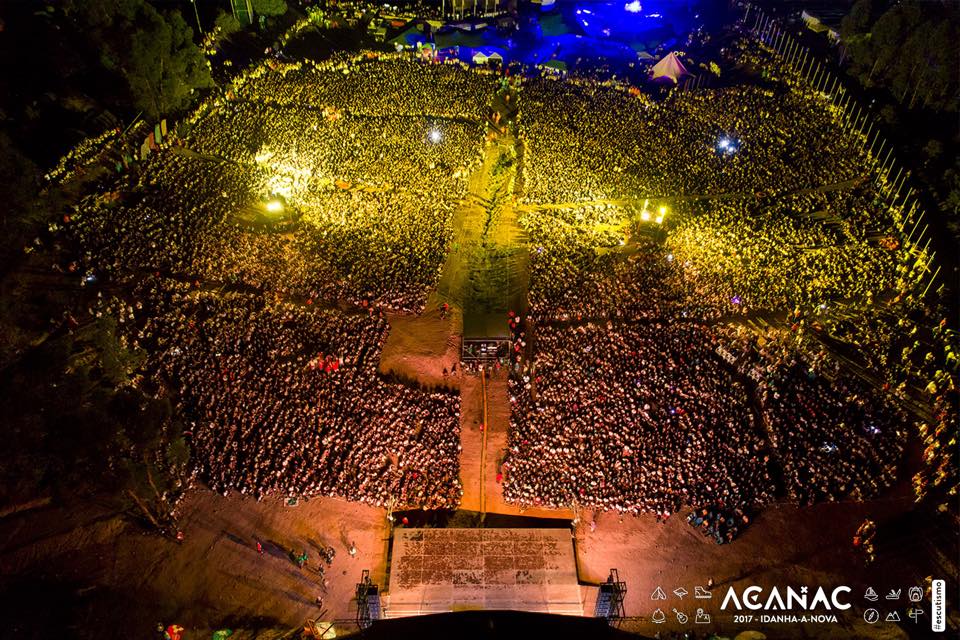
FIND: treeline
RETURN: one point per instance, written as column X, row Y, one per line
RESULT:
column 77, row 422
column 153, row 51
column 909, row 52
column 910, row 48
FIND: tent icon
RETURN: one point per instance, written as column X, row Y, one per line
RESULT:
column 658, row 594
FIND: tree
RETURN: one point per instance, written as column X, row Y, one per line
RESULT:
column 154, row 52
column 933, row 149
column 909, row 49
column 269, row 8
column 859, row 20
column 18, row 175
column 226, row 23
column 952, row 181
column 74, row 423
column 165, row 67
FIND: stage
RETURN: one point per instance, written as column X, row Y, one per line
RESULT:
column 441, row 570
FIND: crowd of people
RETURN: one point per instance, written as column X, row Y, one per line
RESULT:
column 603, row 142
column 638, row 418
column 375, row 193
column 773, row 212
column 269, row 336
column 835, row 436
column 374, row 84
column 750, row 255
column 286, row 399
column 627, row 391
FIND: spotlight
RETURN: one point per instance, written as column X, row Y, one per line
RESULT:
column 274, row 206
column 435, row 136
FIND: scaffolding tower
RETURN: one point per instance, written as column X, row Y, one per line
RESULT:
column 368, row 601
column 610, row 599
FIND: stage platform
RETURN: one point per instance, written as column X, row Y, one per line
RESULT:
column 441, row 570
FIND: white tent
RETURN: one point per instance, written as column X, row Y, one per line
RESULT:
column 482, row 56
column 669, row 68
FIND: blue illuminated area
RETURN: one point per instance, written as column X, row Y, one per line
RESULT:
column 727, row 146
column 633, row 21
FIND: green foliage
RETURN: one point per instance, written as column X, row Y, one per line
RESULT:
column 154, row 52
column 73, row 422
column 227, row 23
column 165, row 67
column 952, row 180
column 18, row 175
column 933, row 149
column 269, row 8
column 857, row 23
column 910, row 49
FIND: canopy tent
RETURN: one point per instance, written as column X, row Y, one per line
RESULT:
column 485, row 55
column 669, row 69
column 555, row 65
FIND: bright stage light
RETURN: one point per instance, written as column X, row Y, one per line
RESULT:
column 726, row 146
column 435, row 136
column 645, row 215
column 633, row 7
column 663, row 211
column 274, row 206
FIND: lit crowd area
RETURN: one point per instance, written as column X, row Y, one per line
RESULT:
column 620, row 315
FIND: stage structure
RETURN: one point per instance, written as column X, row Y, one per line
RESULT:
column 444, row 570
column 610, row 599
column 486, row 338
column 368, row 601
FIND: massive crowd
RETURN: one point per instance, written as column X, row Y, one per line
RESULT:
column 641, row 418
column 601, row 142
column 748, row 255
column 773, row 213
column 595, row 262
column 375, row 194
column 270, row 335
column 629, row 394
column 287, row 399
column 834, row 435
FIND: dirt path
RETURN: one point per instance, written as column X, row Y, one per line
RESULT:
column 498, row 426
column 471, row 441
